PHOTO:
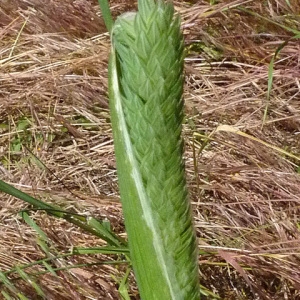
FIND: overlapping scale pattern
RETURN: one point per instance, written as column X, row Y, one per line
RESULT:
column 147, row 113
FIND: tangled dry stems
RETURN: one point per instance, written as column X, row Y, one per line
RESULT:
column 53, row 74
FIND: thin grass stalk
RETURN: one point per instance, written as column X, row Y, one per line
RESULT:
column 146, row 86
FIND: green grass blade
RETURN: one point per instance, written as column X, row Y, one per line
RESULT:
column 44, row 247
column 209, row 294
column 84, row 265
column 123, row 285
column 22, row 297
column 9, row 189
column 75, row 251
column 42, row 240
column 32, row 224
column 7, row 283
column 5, row 295
column 28, row 279
column 108, row 20
column 75, row 219
column 270, row 83
column 288, row 29
column 49, row 268
column 146, row 85
column 112, row 239
column 100, row 250
column 270, row 75
column 270, row 79
column 288, row 3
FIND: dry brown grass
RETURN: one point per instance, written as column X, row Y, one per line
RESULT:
column 53, row 104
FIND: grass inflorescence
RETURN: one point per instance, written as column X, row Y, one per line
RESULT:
column 56, row 145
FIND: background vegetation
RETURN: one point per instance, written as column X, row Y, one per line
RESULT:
column 242, row 70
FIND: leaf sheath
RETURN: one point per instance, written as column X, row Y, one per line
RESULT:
column 146, row 86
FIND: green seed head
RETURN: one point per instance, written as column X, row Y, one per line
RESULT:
column 147, row 111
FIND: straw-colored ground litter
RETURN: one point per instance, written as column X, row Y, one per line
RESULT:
column 56, row 143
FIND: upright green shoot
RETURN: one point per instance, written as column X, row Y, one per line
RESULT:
column 146, row 86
